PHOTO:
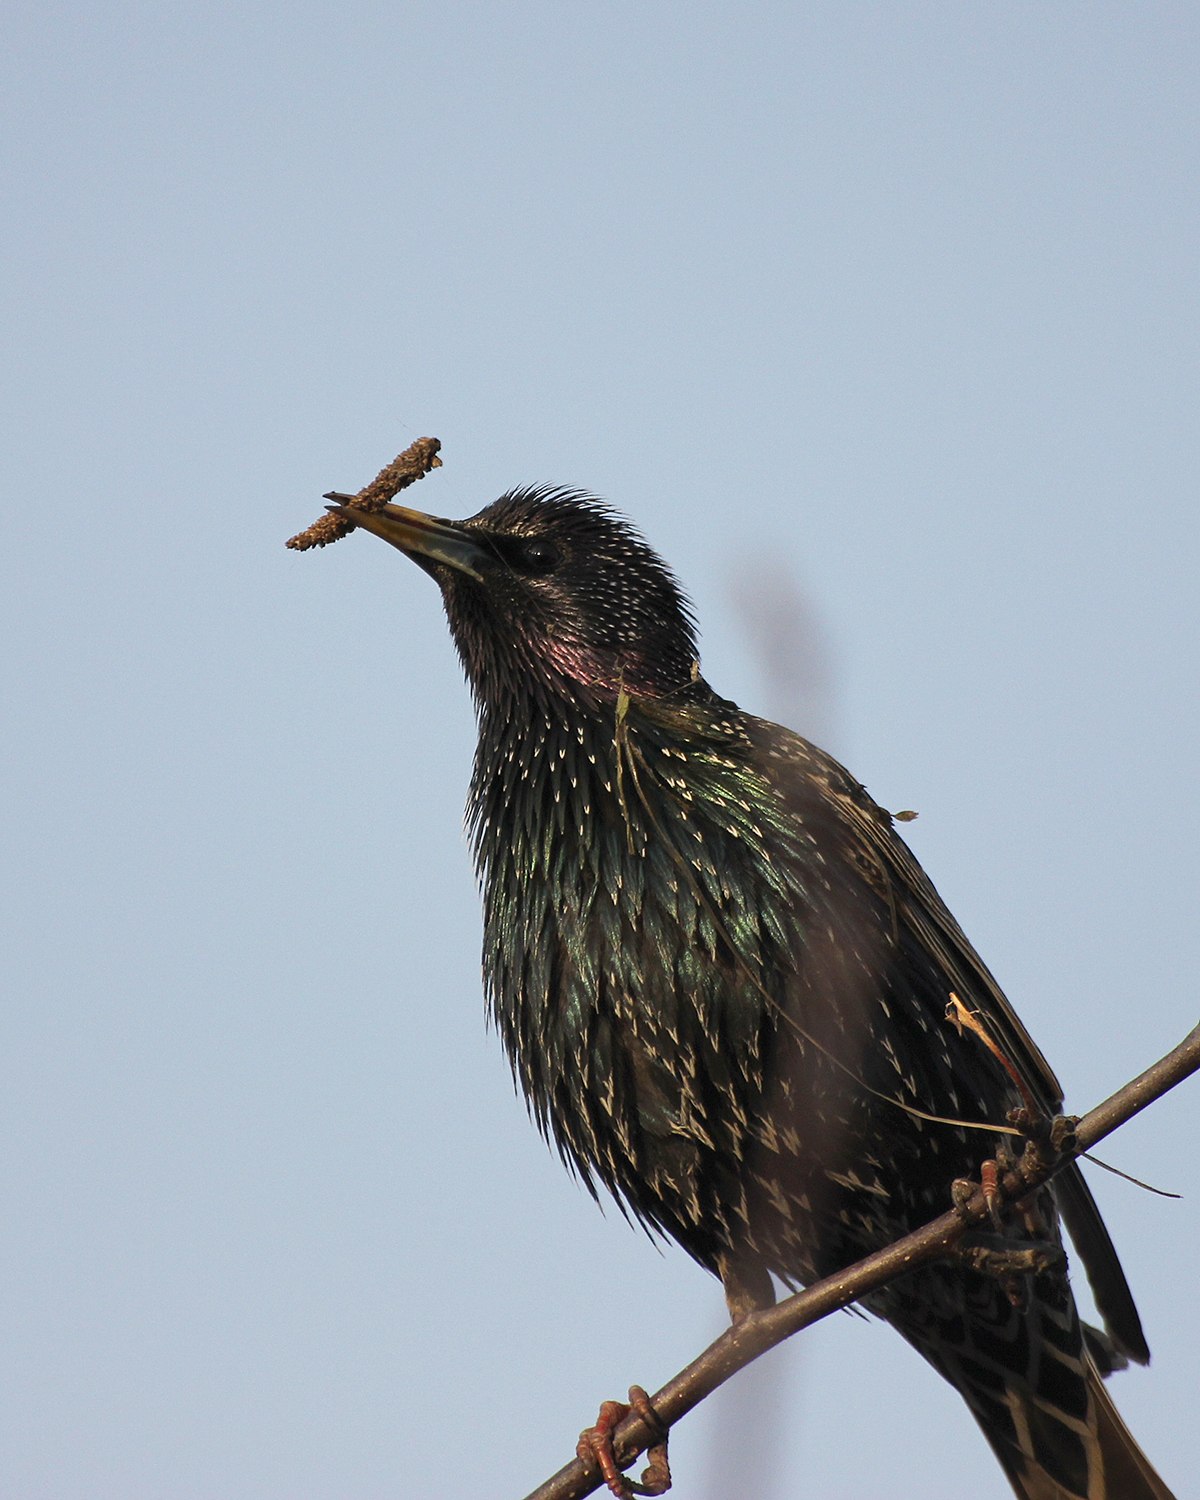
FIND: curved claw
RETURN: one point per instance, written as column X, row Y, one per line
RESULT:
column 595, row 1447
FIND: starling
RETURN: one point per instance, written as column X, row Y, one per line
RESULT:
column 722, row 980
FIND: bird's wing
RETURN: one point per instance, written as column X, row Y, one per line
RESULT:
column 923, row 910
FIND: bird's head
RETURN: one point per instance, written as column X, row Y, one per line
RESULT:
column 551, row 590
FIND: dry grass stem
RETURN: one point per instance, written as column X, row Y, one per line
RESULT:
column 405, row 469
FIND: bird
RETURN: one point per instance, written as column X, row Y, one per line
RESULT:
column 721, row 978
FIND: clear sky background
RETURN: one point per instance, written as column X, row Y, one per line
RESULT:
column 898, row 302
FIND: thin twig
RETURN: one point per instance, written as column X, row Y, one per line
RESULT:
column 760, row 1331
column 405, row 469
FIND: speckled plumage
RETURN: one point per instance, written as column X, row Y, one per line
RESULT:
column 721, row 977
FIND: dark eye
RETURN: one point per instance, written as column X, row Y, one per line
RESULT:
column 537, row 555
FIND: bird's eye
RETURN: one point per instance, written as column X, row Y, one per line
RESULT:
column 538, row 555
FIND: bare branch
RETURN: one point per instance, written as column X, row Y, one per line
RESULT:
column 760, row 1331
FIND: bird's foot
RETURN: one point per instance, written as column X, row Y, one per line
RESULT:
column 1013, row 1265
column 994, row 1175
column 963, row 1190
column 1005, row 1258
column 595, row 1447
column 989, row 1178
column 1047, row 1139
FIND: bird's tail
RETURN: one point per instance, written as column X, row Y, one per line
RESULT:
column 1049, row 1418
column 1050, row 1454
column 1031, row 1375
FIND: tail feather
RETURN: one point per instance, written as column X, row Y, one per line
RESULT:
column 1028, row 1374
column 1126, row 1468
column 1058, row 1434
column 1057, row 1459
column 1105, row 1274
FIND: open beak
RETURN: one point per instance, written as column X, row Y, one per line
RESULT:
column 428, row 540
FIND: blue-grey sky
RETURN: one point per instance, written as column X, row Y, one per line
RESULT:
column 897, row 300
